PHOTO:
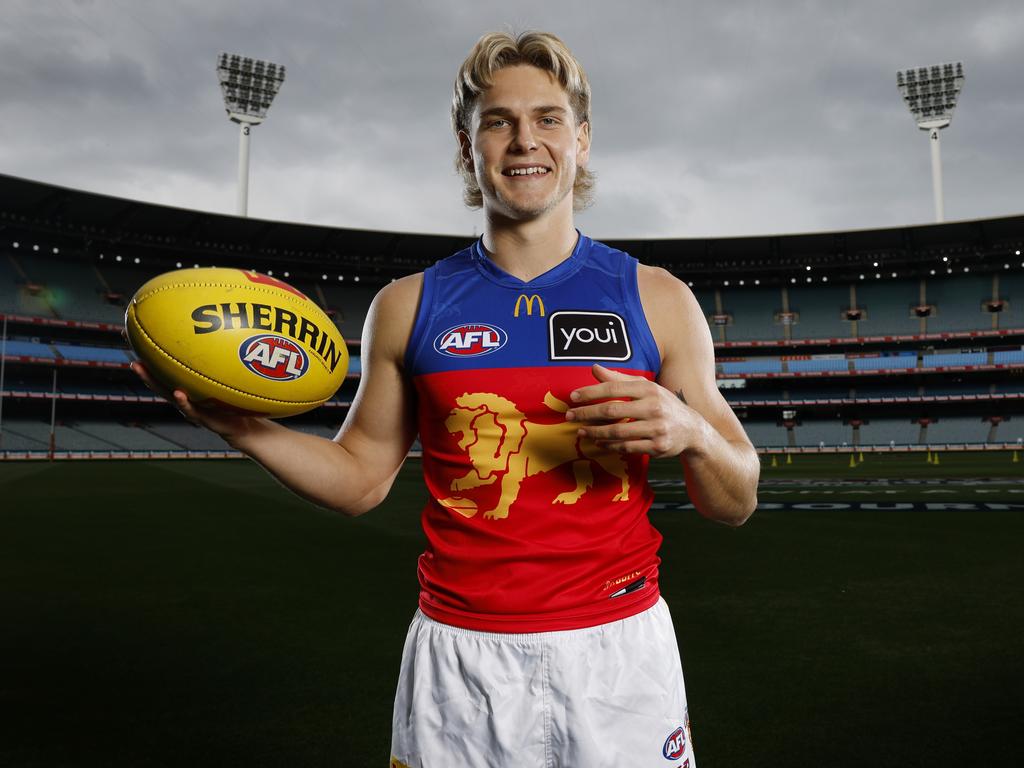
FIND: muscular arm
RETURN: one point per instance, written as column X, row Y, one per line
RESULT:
column 682, row 414
column 353, row 472
column 719, row 462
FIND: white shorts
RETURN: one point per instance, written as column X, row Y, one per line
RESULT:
column 607, row 696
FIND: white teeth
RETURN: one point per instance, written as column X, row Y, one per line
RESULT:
column 526, row 171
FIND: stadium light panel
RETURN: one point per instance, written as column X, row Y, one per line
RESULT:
column 248, row 86
column 931, row 93
column 15, row 245
column 35, row 247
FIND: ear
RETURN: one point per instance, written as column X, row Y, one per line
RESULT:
column 466, row 150
column 583, row 144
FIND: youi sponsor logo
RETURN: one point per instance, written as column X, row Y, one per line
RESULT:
column 580, row 335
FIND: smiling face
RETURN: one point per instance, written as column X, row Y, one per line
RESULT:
column 525, row 145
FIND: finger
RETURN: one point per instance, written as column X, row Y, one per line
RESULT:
column 608, row 374
column 150, row 382
column 185, row 406
column 621, row 430
column 622, row 388
column 610, row 410
column 630, row 446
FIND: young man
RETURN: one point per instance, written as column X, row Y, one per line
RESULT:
column 542, row 370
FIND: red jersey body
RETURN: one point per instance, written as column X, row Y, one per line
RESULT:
column 529, row 527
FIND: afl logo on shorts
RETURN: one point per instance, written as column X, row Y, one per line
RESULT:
column 675, row 744
column 273, row 357
column 470, row 340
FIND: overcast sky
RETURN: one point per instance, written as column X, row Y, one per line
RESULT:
column 709, row 118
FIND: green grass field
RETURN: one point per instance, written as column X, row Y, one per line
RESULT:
column 196, row 614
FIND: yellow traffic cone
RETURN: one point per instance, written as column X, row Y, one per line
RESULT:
column 935, row 461
column 789, row 458
column 1016, row 458
column 852, row 462
column 860, row 457
column 774, row 462
column 929, row 456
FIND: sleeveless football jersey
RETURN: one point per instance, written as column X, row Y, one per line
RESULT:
column 529, row 527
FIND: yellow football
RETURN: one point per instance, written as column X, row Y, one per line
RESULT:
column 236, row 339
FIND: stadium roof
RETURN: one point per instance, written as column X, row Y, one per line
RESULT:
column 88, row 223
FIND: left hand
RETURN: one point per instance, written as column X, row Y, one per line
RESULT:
column 641, row 416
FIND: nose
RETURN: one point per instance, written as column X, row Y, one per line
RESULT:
column 523, row 140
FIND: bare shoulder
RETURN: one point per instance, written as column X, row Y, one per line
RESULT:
column 401, row 296
column 660, row 287
column 669, row 305
column 392, row 315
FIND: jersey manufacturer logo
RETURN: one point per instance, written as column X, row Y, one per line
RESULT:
column 470, row 339
column 675, row 744
column 528, row 301
column 273, row 357
column 578, row 335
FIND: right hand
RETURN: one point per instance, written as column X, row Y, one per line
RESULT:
column 229, row 426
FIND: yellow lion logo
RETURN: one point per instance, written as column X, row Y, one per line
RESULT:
column 501, row 443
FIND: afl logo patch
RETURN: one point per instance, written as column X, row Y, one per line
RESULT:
column 581, row 335
column 273, row 357
column 675, row 744
column 470, row 339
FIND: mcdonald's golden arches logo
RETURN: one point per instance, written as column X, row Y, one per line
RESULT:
column 529, row 304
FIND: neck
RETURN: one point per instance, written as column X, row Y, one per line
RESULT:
column 527, row 249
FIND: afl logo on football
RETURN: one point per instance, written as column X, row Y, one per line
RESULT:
column 273, row 357
column 470, row 339
column 675, row 744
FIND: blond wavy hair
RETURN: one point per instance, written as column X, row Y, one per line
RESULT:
column 497, row 50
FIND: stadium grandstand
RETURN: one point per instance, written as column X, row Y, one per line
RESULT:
column 892, row 339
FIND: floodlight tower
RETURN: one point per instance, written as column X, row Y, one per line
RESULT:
column 248, row 86
column 931, row 94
